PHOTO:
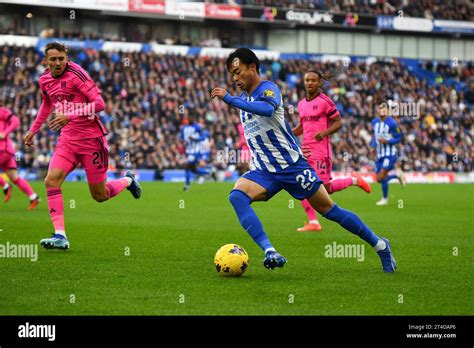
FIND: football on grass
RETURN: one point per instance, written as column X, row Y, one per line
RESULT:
column 231, row 260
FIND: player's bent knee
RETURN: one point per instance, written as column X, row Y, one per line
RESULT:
column 12, row 176
column 324, row 208
column 51, row 181
column 99, row 197
column 321, row 201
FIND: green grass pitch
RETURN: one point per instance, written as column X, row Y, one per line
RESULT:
column 154, row 256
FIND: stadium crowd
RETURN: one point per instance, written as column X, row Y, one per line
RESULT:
column 439, row 9
column 148, row 96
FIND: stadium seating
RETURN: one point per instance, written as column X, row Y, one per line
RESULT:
column 147, row 100
column 439, row 9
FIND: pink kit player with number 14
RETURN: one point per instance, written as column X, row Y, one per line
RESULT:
column 319, row 119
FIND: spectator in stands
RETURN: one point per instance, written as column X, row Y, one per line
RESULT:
column 147, row 98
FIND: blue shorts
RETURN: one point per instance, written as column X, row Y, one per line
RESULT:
column 299, row 180
column 206, row 157
column 387, row 163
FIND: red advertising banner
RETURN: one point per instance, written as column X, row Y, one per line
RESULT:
column 223, row 11
column 149, row 6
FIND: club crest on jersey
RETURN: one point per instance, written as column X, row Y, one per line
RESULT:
column 269, row 93
column 63, row 84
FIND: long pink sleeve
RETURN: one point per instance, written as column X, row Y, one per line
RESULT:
column 43, row 113
column 12, row 125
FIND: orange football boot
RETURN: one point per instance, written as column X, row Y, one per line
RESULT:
column 364, row 185
column 34, row 203
column 8, row 193
column 310, row 227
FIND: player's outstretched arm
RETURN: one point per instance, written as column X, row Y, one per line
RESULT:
column 373, row 142
column 13, row 123
column 335, row 126
column 261, row 108
column 43, row 113
column 59, row 122
column 396, row 135
column 298, row 130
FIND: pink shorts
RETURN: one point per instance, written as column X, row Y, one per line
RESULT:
column 92, row 153
column 323, row 167
column 7, row 161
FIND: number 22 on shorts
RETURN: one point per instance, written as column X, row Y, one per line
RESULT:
column 305, row 179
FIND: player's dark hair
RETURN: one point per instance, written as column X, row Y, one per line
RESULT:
column 246, row 56
column 55, row 46
column 322, row 77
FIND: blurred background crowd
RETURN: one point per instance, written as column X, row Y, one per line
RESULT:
column 148, row 96
column 461, row 10
column 439, row 9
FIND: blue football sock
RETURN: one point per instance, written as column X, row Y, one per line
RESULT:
column 352, row 223
column 248, row 219
column 188, row 177
column 391, row 177
column 384, row 184
column 203, row 170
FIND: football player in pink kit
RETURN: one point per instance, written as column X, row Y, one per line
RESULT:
column 319, row 119
column 68, row 89
column 8, row 123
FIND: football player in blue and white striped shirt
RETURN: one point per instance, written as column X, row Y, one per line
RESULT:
column 190, row 134
column 386, row 136
column 279, row 162
column 204, row 167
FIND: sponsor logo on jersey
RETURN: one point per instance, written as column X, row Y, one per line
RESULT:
column 269, row 93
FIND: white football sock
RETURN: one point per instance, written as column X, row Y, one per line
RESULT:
column 269, row 249
column 129, row 180
column 61, row 232
column 314, row 221
column 33, row 196
column 354, row 181
column 381, row 245
column 6, row 186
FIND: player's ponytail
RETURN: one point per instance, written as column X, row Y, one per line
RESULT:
column 323, row 78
